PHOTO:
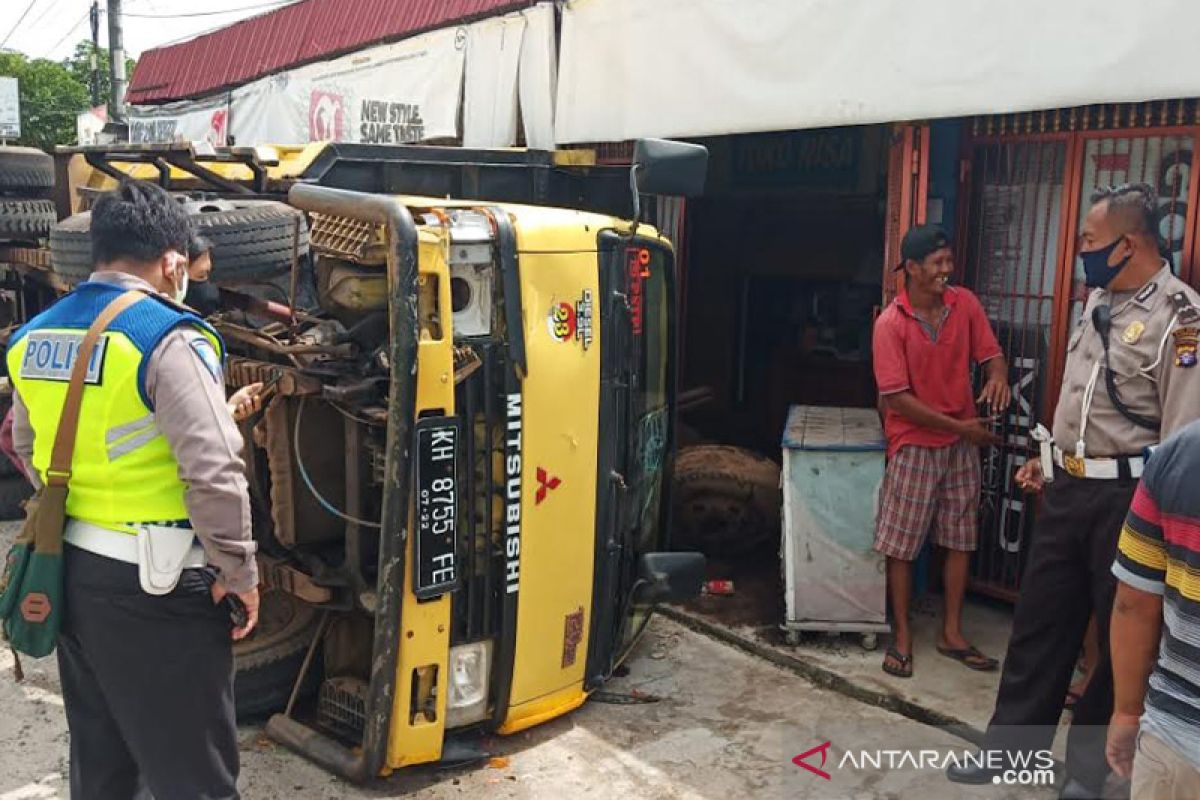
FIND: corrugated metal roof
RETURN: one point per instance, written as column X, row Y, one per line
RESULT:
column 306, row 31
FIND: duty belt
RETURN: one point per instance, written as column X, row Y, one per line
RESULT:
column 1124, row 467
column 118, row 545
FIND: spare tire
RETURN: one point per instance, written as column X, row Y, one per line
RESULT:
column 26, row 219
column 25, row 171
column 252, row 240
column 726, row 501
column 268, row 661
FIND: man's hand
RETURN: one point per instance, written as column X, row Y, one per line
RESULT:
column 245, row 401
column 997, row 394
column 977, row 432
column 1122, row 743
column 249, row 600
column 1029, row 477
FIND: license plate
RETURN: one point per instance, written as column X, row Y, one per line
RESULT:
column 435, row 567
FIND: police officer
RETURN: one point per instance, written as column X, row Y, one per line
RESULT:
column 147, row 669
column 1130, row 381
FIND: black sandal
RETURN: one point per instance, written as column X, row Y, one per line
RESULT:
column 970, row 658
column 905, row 670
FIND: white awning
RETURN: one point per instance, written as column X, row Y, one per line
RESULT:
column 632, row 68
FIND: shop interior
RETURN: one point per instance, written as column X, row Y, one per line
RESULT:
column 781, row 281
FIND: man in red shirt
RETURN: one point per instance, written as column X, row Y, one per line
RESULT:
column 924, row 343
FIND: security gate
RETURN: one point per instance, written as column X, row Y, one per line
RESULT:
column 1012, row 254
column 1027, row 180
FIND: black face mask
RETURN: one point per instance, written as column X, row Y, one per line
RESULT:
column 204, row 296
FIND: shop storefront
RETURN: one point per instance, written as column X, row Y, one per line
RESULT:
column 1025, row 182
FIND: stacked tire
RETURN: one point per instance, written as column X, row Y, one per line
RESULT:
column 26, row 217
column 26, row 180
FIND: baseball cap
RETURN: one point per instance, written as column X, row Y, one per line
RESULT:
column 920, row 242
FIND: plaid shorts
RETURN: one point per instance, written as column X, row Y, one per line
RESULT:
column 924, row 486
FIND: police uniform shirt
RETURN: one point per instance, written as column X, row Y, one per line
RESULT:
column 1153, row 358
column 184, row 380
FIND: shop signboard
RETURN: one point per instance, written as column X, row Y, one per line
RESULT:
column 10, row 109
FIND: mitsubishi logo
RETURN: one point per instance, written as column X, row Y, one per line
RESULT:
column 546, row 484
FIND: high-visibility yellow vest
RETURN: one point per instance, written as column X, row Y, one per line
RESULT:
column 123, row 471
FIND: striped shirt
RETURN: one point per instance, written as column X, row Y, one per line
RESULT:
column 1159, row 552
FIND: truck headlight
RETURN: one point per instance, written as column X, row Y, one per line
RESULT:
column 470, row 674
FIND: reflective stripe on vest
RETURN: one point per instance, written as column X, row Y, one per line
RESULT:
column 123, row 470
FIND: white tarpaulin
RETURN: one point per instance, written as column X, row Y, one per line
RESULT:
column 538, row 77
column 186, row 121
column 631, row 68
column 490, row 93
column 392, row 94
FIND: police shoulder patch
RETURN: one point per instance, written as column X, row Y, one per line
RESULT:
column 208, row 356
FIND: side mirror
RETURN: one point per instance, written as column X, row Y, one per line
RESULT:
column 661, row 166
column 669, row 577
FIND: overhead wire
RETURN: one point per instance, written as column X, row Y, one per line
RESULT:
column 16, row 25
column 187, row 15
column 70, row 31
column 44, row 13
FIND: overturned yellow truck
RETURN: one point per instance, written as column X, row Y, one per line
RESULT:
column 459, row 480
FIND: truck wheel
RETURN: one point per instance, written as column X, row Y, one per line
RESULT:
column 727, row 500
column 71, row 247
column 267, row 663
column 252, row 240
column 13, row 492
column 26, row 219
column 26, row 171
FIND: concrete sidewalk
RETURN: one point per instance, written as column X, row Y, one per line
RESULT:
column 940, row 692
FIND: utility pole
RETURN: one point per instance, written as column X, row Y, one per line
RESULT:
column 116, row 58
column 95, row 15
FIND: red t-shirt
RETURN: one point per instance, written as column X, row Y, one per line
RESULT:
column 937, row 372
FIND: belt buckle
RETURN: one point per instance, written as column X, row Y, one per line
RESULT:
column 1074, row 466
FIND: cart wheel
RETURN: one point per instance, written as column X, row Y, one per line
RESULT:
column 869, row 641
column 792, row 637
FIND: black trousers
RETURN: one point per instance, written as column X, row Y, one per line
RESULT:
column 148, row 686
column 1068, row 577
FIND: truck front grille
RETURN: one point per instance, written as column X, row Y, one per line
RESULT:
column 480, row 406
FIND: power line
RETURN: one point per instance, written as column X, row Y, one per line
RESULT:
column 44, row 13
column 20, row 19
column 70, row 31
column 262, row 7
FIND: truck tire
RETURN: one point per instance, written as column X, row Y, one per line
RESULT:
column 14, row 491
column 25, row 171
column 26, row 220
column 252, row 240
column 71, row 247
column 727, row 501
column 267, row 663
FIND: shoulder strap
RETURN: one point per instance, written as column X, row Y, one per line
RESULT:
column 1184, row 309
column 64, row 440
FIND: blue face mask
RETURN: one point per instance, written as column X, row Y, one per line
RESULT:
column 1096, row 270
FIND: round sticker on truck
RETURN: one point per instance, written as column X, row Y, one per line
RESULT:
column 568, row 321
column 562, row 321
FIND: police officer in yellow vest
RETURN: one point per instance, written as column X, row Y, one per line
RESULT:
column 157, row 508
